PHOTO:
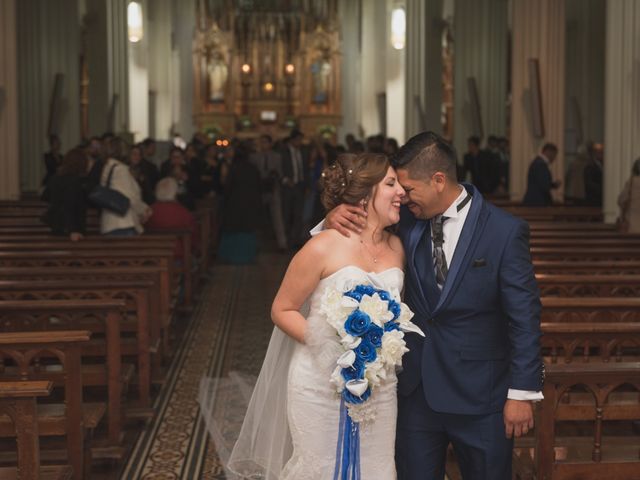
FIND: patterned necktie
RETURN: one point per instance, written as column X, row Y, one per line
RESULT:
column 439, row 259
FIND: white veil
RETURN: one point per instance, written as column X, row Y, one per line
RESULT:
column 263, row 445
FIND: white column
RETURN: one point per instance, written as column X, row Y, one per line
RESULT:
column 396, row 82
column 622, row 99
column 423, row 66
column 138, row 54
column 9, row 163
column 373, row 74
column 350, row 25
column 538, row 33
column 159, row 21
column 480, row 40
column 48, row 44
column 184, row 24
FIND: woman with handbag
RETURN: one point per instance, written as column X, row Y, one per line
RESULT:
column 629, row 202
column 118, row 219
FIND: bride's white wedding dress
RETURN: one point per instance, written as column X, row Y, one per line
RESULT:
column 291, row 427
column 313, row 405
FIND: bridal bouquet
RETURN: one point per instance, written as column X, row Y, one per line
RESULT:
column 371, row 324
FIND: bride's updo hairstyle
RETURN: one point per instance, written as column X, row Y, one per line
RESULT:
column 352, row 177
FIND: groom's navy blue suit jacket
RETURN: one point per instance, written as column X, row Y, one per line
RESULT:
column 483, row 329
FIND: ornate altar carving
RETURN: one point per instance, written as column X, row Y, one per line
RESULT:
column 267, row 66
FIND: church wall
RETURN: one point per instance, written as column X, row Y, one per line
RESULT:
column 9, row 163
column 585, row 43
column 183, row 18
column 48, row 44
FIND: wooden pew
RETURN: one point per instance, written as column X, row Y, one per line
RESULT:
column 70, row 418
column 50, row 316
column 587, row 267
column 585, row 227
column 590, row 309
column 557, row 213
column 135, row 294
column 592, row 377
column 588, row 285
column 578, row 253
column 18, row 403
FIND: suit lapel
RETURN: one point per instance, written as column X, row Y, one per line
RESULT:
column 465, row 245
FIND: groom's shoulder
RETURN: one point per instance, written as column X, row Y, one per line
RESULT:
column 502, row 218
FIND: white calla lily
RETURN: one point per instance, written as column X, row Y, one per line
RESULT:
column 350, row 342
column 347, row 358
column 357, row 387
column 411, row 328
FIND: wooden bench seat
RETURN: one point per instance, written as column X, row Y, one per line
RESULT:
column 136, row 316
column 590, row 309
column 18, row 407
column 602, row 266
column 24, row 349
column 48, row 316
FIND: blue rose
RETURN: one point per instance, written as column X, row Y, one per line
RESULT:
column 361, row 290
column 366, row 352
column 394, row 307
column 374, row 335
column 351, row 398
column 384, row 295
column 354, row 372
column 391, row 325
column 357, row 323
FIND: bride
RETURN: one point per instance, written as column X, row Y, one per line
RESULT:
column 324, row 405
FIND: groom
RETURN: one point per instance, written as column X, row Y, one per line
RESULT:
column 470, row 282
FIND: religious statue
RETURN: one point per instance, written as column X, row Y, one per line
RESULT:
column 217, row 74
column 320, row 72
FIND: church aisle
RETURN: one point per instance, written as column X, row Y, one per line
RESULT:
column 229, row 331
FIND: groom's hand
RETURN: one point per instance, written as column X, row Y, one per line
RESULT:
column 346, row 218
column 518, row 417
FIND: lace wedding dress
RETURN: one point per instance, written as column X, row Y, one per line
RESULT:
column 291, row 428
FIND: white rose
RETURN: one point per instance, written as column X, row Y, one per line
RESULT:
column 393, row 347
column 376, row 308
column 335, row 308
column 375, row 372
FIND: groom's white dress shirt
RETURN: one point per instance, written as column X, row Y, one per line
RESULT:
column 451, row 230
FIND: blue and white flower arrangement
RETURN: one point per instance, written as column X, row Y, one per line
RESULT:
column 371, row 324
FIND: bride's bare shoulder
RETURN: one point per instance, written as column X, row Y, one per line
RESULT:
column 326, row 241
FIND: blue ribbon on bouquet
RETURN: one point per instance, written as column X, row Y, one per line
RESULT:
column 348, row 448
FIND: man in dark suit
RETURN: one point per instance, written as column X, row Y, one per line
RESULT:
column 294, row 177
column 483, row 166
column 471, row 285
column 593, row 177
column 539, row 179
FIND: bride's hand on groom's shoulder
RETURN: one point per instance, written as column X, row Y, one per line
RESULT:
column 518, row 417
column 346, row 218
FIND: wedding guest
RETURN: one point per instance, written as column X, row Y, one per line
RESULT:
column 66, row 193
column 539, row 179
column 53, row 158
column 593, row 177
column 574, row 179
column 146, row 178
column 295, row 175
column 169, row 214
column 269, row 164
column 241, row 212
column 629, row 202
column 112, row 223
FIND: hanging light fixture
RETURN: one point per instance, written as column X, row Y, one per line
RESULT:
column 398, row 28
column 135, row 22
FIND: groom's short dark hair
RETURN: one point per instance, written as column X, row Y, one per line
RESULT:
column 425, row 154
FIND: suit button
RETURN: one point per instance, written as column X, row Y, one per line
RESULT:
column 431, row 321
